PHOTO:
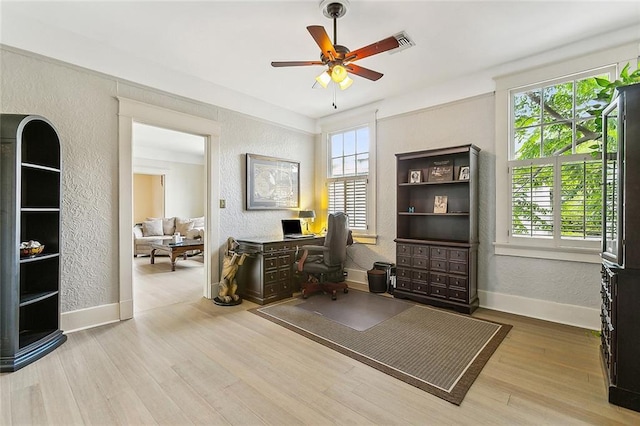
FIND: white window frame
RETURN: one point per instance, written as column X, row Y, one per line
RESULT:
column 544, row 248
column 344, row 123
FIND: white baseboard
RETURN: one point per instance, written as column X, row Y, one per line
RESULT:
column 578, row 316
column 89, row 317
column 357, row 276
column 126, row 309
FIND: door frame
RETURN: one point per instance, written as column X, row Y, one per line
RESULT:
column 130, row 111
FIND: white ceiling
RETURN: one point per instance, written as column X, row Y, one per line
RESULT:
column 218, row 51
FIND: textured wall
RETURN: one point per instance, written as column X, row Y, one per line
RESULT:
column 89, row 174
column 242, row 135
column 83, row 107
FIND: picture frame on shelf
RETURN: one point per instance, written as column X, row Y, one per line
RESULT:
column 464, row 173
column 415, row 176
column 440, row 204
column 441, row 171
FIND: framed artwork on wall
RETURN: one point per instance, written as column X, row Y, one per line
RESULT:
column 272, row 183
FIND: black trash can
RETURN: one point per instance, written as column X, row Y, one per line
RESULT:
column 390, row 271
column 377, row 280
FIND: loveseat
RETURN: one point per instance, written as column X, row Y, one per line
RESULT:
column 157, row 229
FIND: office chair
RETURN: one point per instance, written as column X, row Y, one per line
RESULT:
column 324, row 270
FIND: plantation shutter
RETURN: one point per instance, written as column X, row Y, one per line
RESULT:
column 581, row 215
column 349, row 195
column 532, row 200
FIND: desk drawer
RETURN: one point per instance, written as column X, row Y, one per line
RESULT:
column 270, row 276
column 404, row 261
column 284, row 273
column 285, row 260
column 438, row 265
column 438, row 291
column 403, row 250
column 438, row 279
column 420, row 251
column 455, row 281
column 402, row 273
column 270, row 262
column 420, row 262
column 404, row 284
column 458, row 268
column 438, row 253
column 419, row 287
column 458, row 294
column 459, row 255
column 420, row 276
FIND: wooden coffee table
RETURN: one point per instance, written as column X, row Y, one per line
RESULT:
column 175, row 250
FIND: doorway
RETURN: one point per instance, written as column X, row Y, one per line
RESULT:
column 168, row 184
column 131, row 112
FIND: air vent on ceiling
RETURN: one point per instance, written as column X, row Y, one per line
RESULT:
column 404, row 41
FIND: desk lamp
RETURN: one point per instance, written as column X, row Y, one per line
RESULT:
column 307, row 216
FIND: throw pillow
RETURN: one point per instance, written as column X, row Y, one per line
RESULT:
column 198, row 222
column 183, row 226
column 152, row 228
column 168, row 224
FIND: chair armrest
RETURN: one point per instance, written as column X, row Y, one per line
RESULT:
column 137, row 231
column 313, row 248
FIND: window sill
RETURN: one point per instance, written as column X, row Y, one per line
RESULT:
column 569, row 254
column 365, row 239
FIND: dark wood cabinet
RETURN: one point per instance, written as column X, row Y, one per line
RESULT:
column 620, row 275
column 31, row 198
column 267, row 274
column 437, row 227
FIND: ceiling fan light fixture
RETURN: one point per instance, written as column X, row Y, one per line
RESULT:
column 344, row 84
column 338, row 73
column 324, row 79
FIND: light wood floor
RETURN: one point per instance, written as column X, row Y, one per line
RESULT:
column 192, row 362
column 155, row 286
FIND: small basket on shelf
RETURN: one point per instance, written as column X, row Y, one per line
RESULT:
column 30, row 251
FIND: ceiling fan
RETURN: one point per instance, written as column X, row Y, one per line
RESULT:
column 339, row 59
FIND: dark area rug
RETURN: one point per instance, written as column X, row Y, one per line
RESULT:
column 438, row 351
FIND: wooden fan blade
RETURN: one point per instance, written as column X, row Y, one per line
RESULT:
column 320, row 36
column 295, row 63
column 373, row 49
column 363, row 72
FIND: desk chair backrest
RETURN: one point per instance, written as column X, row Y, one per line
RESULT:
column 336, row 239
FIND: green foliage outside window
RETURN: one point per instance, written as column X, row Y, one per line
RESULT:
column 550, row 124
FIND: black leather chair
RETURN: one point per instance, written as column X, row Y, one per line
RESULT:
column 322, row 266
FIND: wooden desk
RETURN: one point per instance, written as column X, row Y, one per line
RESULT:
column 267, row 274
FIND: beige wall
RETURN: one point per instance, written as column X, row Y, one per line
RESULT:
column 148, row 197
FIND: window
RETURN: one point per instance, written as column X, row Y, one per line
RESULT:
column 348, row 175
column 555, row 163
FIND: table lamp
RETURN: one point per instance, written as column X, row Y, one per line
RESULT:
column 307, row 216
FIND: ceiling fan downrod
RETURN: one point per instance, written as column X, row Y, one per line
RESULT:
column 334, row 10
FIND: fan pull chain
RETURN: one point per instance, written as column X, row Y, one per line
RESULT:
column 335, row 106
